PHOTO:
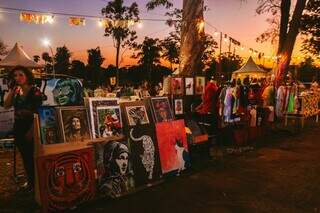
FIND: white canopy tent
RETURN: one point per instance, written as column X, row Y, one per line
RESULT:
column 251, row 69
column 17, row 57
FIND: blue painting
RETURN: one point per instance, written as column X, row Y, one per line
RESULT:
column 48, row 125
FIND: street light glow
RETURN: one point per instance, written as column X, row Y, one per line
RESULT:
column 46, row 42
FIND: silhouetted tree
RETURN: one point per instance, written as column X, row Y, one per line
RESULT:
column 3, row 48
column 120, row 30
column 62, row 60
column 48, row 62
column 78, row 69
column 95, row 61
column 36, row 58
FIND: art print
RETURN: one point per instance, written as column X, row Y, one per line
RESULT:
column 92, row 104
column 189, row 86
column 66, row 180
column 173, row 147
column 48, row 125
column 178, row 106
column 145, row 154
column 74, row 124
column 137, row 115
column 62, row 92
column 161, row 109
column 114, row 169
column 177, row 86
column 200, row 85
column 109, row 121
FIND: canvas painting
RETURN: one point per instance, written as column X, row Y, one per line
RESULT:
column 200, row 85
column 145, row 154
column 114, row 169
column 62, row 92
column 48, row 125
column 92, row 104
column 74, row 124
column 161, row 109
column 177, row 86
column 178, row 106
column 109, row 121
column 189, row 86
column 173, row 146
column 136, row 113
column 66, row 180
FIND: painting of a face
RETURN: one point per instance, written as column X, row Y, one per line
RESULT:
column 76, row 125
column 161, row 109
column 122, row 162
column 67, row 179
column 67, row 92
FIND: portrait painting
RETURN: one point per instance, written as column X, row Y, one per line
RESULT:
column 200, row 85
column 161, row 109
column 145, row 154
column 136, row 113
column 114, row 169
column 48, row 125
column 92, row 104
column 62, row 92
column 109, row 121
column 173, row 147
column 74, row 124
column 178, row 106
column 189, row 86
column 66, row 180
column 177, row 86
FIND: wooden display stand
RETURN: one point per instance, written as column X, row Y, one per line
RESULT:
column 309, row 107
column 42, row 150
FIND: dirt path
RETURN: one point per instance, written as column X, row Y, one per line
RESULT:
column 281, row 176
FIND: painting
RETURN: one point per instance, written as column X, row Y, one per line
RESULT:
column 177, row 86
column 74, row 124
column 48, row 125
column 92, row 104
column 178, row 106
column 62, row 92
column 66, row 180
column 114, row 169
column 109, row 121
column 136, row 113
column 189, row 86
column 200, row 85
column 173, row 147
column 145, row 155
column 161, row 109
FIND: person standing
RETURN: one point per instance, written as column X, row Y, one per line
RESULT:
column 25, row 98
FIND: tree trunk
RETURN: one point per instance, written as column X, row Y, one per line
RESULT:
column 117, row 61
column 192, row 37
column 288, row 45
column 285, row 14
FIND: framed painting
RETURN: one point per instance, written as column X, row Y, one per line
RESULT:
column 66, row 180
column 189, row 86
column 177, row 85
column 92, row 104
column 145, row 154
column 109, row 121
column 161, row 109
column 173, row 146
column 200, row 85
column 62, row 92
column 178, row 106
column 136, row 113
column 114, row 169
column 48, row 125
column 74, row 125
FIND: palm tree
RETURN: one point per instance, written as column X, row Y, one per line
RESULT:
column 36, row 58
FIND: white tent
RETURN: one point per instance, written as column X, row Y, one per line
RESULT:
column 251, row 69
column 17, row 57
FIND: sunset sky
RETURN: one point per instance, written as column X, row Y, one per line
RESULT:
column 236, row 19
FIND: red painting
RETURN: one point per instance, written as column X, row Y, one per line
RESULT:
column 66, row 180
column 173, row 147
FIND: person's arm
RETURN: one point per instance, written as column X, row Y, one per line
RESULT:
column 9, row 100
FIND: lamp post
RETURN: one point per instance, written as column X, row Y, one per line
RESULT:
column 46, row 42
